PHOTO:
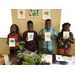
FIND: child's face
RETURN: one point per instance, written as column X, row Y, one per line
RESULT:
column 30, row 26
column 66, row 28
column 48, row 24
column 13, row 29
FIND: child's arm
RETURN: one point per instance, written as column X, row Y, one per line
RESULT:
column 37, row 40
column 59, row 41
column 20, row 37
column 71, row 39
column 55, row 35
column 24, row 37
column 7, row 40
column 41, row 36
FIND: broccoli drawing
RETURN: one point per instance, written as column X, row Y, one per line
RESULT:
column 48, row 36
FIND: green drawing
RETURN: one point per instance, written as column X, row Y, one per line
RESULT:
column 73, row 61
column 69, row 59
column 12, row 41
column 48, row 36
column 34, row 13
column 66, row 35
column 30, row 35
column 31, row 10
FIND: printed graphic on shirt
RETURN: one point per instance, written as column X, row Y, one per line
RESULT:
column 16, row 39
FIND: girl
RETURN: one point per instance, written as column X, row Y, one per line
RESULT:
column 14, row 33
column 64, row 45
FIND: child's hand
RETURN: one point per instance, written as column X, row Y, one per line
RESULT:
column 43, row 36
column 69, row 38
column 7, row 42
column 35, row 51
column 27, row 38
column 60, row 42
column 52, row 37
column 26, row 49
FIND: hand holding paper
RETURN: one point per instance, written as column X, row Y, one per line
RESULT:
column 47, row 36
column 11, row 42
column 52, row 37
column 69, row 38
column 65, row 34
column 30, row 36
column 43, row 36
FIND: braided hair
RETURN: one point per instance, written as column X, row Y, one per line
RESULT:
column 63, row 27
column 17, row 31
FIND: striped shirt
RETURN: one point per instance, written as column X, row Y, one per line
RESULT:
column 48, row 44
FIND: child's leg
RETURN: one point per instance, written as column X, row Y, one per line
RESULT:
column 16, row 51
column 66, row 52
column 61, row 51
column 12, row 51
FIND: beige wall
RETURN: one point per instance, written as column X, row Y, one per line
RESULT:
column 38, row 25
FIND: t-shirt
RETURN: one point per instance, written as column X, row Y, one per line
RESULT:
column 49, row 45
column 16, row 40
column 66, row 43
column 31, row 45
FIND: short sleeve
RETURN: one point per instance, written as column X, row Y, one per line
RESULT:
column 41, row 32
column 55, row 33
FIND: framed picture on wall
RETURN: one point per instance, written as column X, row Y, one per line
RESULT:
column 21, row 13
column 46, row 14
column 33, row 12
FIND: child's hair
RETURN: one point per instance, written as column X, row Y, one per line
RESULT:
column 29, row 22
column 65, row 25
column 17, row 31
column 47, row 20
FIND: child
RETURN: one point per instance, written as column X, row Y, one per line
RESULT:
column 32, row 45
column 49, row 45
column 64, row 45
column 14, row 33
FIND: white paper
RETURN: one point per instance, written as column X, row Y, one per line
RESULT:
column 21, row 13
column 48, row 58
column 47, row 36
column 11, row 42
column 69, row 59
column 65, row 34
column 30, row 36
column 59, row 58
column 46, row 14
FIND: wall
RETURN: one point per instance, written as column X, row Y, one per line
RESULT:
column 38, row 25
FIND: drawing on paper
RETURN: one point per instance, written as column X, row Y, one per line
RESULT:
column 46, row 14
column 21, row 13
column 33, row 13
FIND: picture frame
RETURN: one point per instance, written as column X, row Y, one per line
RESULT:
column 33, row 12
column 21, row 13
column 46, row 14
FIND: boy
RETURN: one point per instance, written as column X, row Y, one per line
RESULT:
column 32, row 45
column 49, row 45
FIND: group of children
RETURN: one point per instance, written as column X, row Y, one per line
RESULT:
column 64, row 45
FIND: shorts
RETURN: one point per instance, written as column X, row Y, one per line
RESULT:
column 63, row 51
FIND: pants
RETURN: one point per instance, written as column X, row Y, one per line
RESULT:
column 12, row 51
column 63, row 51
